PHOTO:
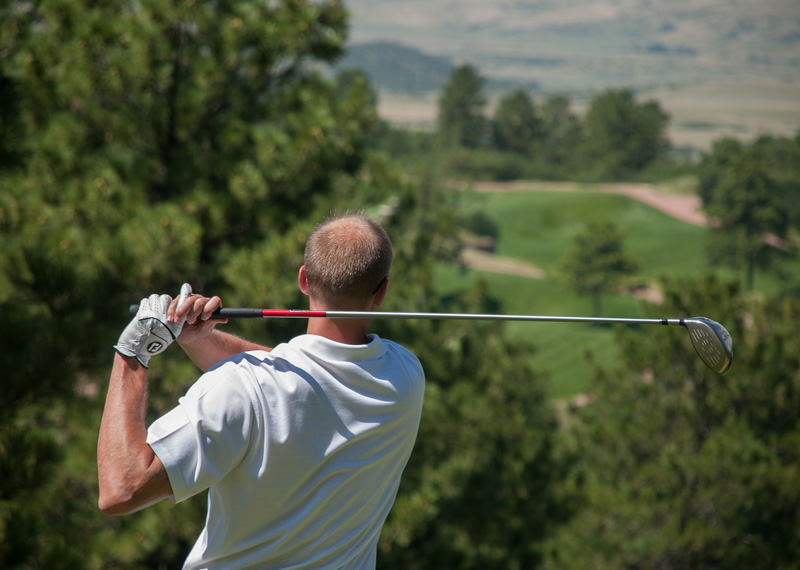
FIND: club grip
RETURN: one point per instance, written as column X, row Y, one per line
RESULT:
column 220, row 313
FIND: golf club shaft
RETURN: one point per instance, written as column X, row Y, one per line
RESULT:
column 243, row 313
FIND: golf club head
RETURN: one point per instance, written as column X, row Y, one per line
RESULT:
column 712, row 342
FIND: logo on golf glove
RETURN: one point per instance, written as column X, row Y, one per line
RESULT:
column 155, row 347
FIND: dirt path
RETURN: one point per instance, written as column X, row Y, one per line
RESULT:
column 485, row 261
column 681, row 207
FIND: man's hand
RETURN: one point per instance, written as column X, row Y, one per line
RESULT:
column 195, row 312
column 150, row 332
column 199, row 339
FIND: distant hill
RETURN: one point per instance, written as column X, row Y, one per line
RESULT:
column 398, row 68
column 402, row 69
column 718, row 67
column 576, row 45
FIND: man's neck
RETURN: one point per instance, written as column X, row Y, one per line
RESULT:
column 345, row 331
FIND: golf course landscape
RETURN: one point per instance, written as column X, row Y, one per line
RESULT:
column 620, row 159
column 536, row 227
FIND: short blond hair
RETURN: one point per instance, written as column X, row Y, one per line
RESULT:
column 347, row 258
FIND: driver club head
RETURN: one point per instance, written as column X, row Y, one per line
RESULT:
column 712, row 342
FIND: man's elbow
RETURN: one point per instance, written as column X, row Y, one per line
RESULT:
column 116, row 502
column 129, row 490
column 124, row 501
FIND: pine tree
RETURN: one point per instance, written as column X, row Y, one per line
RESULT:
column 597, row 263
column 461, row 120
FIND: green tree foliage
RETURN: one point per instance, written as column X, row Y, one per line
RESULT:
column 597, row 263
column 744, row 200
column 141, row 143
column 685, row 469
column 516, row 126
column 725, row 152
column 618, row 137
column 144, row 144
column 781, row 158
column 562, row 130
column 624, row 136
column 11, row 129
column 461, row 121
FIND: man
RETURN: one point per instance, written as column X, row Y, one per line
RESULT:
column 300, row 447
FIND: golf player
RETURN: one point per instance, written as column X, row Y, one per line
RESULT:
column 300, row 447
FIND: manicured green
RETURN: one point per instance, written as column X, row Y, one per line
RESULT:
column 538, row 227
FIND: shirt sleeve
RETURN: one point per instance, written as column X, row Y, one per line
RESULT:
column 206, row 435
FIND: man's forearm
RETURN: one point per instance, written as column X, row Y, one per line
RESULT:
column 217, row 346
column 130, row 475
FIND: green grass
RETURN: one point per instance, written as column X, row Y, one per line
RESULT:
column 538, row 228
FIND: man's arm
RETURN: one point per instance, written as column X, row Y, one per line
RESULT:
column 214, row 347
column 131, row 476
column 199, row 339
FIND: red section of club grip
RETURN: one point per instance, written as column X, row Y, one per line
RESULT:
column 267, row 313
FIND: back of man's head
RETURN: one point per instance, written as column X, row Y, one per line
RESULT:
column 347, row 258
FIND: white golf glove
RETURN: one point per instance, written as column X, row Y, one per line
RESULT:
column 149, row 332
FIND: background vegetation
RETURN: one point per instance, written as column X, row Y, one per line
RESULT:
column 146, row 144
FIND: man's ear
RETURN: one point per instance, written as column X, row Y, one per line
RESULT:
column 381, row 293
column 302, row 280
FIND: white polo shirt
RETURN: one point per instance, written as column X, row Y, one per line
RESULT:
column 301, row 450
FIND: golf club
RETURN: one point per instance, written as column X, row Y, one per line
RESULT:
column 711, row 340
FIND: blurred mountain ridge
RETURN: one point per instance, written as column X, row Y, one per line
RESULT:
column 575, row 45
